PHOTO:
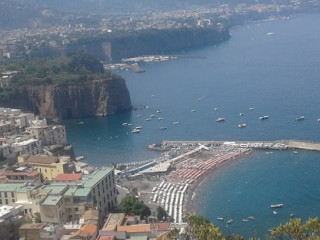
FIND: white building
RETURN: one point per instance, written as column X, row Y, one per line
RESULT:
column 30, row 147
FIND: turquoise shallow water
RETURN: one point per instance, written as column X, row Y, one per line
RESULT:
column 278, row 75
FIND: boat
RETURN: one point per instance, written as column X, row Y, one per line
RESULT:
column 160, row 118
column 81, row 123
column 251, row 218
column 148, row 119
column 152, row 116
column 138, row 127
column 245, row 220
column 129, row 124
column 124, row 124
column 318, row 119
column 270, row 33
column 192, row 110
column 215, row 109
column 220, row 119
column 268, row 153
column 138, row 115
column 242, row 125
column 230, row 221
column 163, row 128
column 264, row 117
column 275, row 212
column 278, row 205
column 220, row 219
column 241, row 114
column 135, row 131
column 175, row 123
column 251, row 109
column 291, row 215
column 295, row 152
column 159, row 111
column 299, row 118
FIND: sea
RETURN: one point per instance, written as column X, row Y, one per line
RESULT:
column 270, row 66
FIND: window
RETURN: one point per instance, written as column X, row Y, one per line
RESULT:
column 0, row 201
column 76, row 209
column 5, row 194
column 13, row 200
column 7, row 202
column 12, row 194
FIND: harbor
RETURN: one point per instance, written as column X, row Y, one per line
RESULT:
column 171, row 179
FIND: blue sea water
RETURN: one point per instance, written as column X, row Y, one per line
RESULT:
column 277, row 75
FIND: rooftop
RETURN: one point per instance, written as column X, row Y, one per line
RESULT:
column 32, row 226
column 14, row 187
column 51, row 200
column 162, row 226
column 92, row 179
column 113, row 220
column 41, row 159
column 68, row 177
column 141, row 228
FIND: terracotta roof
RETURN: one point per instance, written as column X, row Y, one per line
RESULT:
column 134, row 228
column 68, row 177
column 32, row 226
column 164, row 226
column 86, row 230
column 41, row 159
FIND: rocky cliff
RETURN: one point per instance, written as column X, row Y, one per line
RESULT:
column 93, row 98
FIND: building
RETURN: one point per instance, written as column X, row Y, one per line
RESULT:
column 23, row 175
column 38, row 231
column 7, row 128
column 68, row 198
column 48, row 167
column 49, row 135
column 30, row 147
column 10, row 219
column 122, row 227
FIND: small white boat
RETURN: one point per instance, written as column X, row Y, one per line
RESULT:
column 135, row 131
column 318, row 119
column 148, row 119
column 295, row 152
column 159, row 111
column 163, row 128
column 220, row 119
column 160, row 118
column 175, row 123
column 268, row 153
column 81, row 123
column 138, row 115
column 264, row 117
column 124, row 124
column 152, row 116
column 220, row 219
column 245, row 220
column 275, row 212
column 299, row 118
column 242, row 125
column 291, row 215
column 241, row 114
column 251, row 109
column 251, row 218
column 129, row 124
column 215, row 109
column 192, row 110
column 270, row 33
column 230, row 221
column 138, row 127
column 278, row 205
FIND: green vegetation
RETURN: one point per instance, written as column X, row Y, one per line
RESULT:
column 75, row 69
column 162, row 215
column 132, row 206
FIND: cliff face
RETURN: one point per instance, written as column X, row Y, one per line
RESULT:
column 96, row 98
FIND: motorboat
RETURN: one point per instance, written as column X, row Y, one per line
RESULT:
column 251, row 218
column 160, row 118
column 163, row 128
column 275, row 212
column 245, row 220
column 192, row 110
column 242, row 125
column 299, row 118
column 278, row 205
column 175, row 123
column 220, row 119
column 138, row 127
column 220, row 219
column 251, row 109
column 264, row 117
column 135, row 131
column 230, row 221
column 241, row 114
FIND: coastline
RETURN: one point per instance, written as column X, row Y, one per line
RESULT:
column 192, row 191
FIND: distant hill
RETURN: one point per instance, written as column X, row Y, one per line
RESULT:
column 103, row 7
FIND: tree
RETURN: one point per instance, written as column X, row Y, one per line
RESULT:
column 173, row 234
column 132, row 206
column 161, row 214
column 296, row 230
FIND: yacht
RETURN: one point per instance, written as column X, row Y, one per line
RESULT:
column 220, row 219
column 230, row 221
column 148, row 119
column 270, row 33
column 138, row 127
column 124, row 124
column 251, row 109
column 220, row 119
column 175, row 123
column 299, row 118
column 241, row 114
column 163, row 128
column 242, row 125
column 192, row 110
column 274, row 212
column 160, row 118
column 251, row 218
column 135, row 131
column 278, row 205
column 152, row 116
column 264, row 117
